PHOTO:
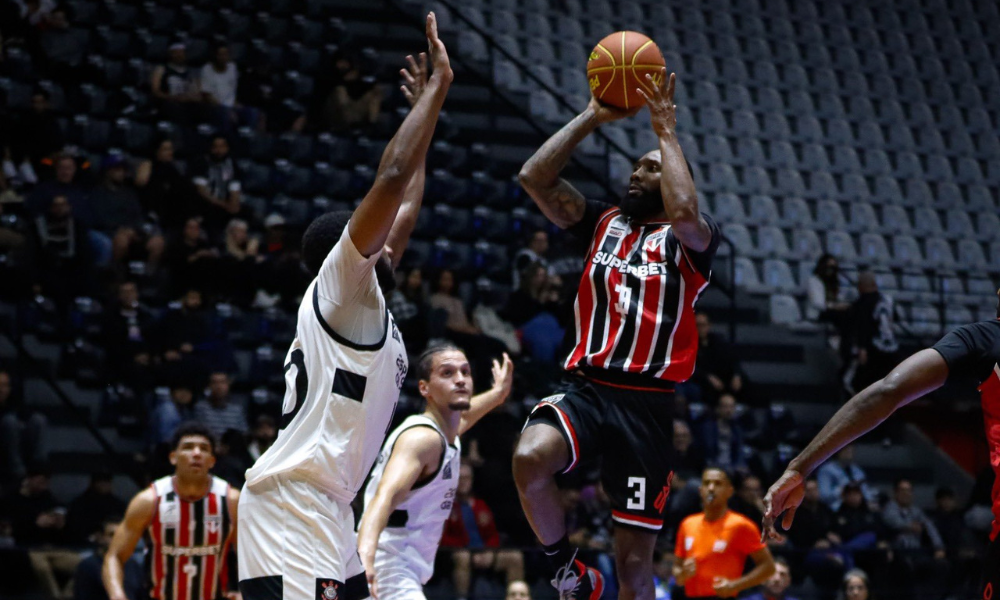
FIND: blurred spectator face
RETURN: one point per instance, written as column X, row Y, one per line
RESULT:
column 128, row 294
column 663, row 568
column 192, row 300
column 60, row 209
column 569, row 498
column 104, row 537
column 220, row 148
column 829, row 268
column 181, row 396
column 750, row 490
column 221, row 58
column 192, row 230
column 116, row 174
column 414, row 280
column 264, row 430
column 464, row 481
column 682, row 436
column 4, row 388
column 165, row 151
column 852, row 496
column 39, row 103
column 65, row 170
column 346, row 67
column 779, row 581
column 539, row 243
column 238, row 232
column 446, row 282
column 58, row 19
column 518, row 590
column 715, row 489
column 726, row 409
column 218, row 385
column 945, row 502
column 904, row 493
column 450, row 383
column 846, row 455
column 177, row 55
column 812, row 491
column 855, row 589
column 703, row 324
column 101, row 484
column 35, row 484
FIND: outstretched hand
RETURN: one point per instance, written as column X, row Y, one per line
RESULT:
column 437, row 51
column 784, row 496
column 414, row 78
column 660, row 100
column 503, row 375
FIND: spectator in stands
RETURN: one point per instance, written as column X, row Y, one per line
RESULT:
column 689, row 460
column 119, row 216
column 533, row 309
column 90, row 510
column 408, row 304
column 175, row 87
column 534, row 252
column 948, row 521
column 218, row 184
column 39, row 525
column 232, row 458
column 219, row 82
column 283, row 277
column 722, row 436
column 240, row 263
column 531, row 297
column 218, row 411
column 776, row 585
column 472, row 535
column 855, row 586
column 129, row 336
column 169, row 414
column 717, row 370
column 22, row 436
column 351, row 99
column 907, row 524
column 193, row 262
column 518, row 590
column 833, row 475
column 749, row 499
column 183, row 331
column 166, row 193
column 663, row 575
column 36, row 12
column 62, row 256
column 480, row 349
column 855, row 524
column 814, row 536
column 264, row 432
column 258, row 88
column 87, row 584
column 488, row 320
column 35, row 136
column 64, row 48
column 825, row 300
column 13, row 246
column 872, row 316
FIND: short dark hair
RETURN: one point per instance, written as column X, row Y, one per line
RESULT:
column 780, row 560
column 220, row 136
column 321, row 236
column 944, row 492
column 426, row 360
column 191, row 428
column 729, row 476
column 899, row 480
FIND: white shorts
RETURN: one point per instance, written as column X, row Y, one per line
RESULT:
column 395, row 580
column 297, row 543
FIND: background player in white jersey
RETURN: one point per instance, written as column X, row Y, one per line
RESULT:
column 343, row 372
column 410, row 494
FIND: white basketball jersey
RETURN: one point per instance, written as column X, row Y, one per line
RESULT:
column 339, row 401
column 414, row 530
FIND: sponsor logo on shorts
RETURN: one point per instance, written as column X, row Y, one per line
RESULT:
column 327, row 589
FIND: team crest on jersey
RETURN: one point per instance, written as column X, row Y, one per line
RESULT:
column 327, row 589
column 446, row 473
column 213, row 522
column 395, row 333
column 654, row 241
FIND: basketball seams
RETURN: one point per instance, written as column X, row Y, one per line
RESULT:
column 630, row 55
column 624, row 75
column 614, row 67
column 635, row 57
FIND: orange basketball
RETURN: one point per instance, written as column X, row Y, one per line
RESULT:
column 619, row 64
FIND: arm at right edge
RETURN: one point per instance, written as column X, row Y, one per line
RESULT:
column 137, row 519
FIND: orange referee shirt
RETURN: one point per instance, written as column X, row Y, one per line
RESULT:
column 720, row 549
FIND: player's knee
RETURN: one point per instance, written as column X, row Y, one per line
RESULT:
column 635, row 573
column 536, row 459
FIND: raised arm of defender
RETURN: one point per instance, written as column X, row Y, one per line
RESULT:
column 373, row 219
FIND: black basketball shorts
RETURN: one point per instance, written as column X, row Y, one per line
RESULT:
column 629, row 432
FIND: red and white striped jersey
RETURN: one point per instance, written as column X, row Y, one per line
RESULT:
column 635, row 304
column 188, row 543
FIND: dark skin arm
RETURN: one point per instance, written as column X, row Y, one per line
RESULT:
column 680, row 199
column 373, row 219
column 558, row 200
column 916, row 376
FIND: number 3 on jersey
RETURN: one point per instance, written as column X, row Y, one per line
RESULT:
column 301, row 386
column 638, row 500
column 624, row 298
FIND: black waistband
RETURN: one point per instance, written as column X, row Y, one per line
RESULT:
column 636, row 381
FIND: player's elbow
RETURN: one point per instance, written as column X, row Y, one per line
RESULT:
column 527, row 177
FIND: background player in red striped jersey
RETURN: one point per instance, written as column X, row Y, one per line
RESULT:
column 189, row 520
column 648, row 261
column 968, row 353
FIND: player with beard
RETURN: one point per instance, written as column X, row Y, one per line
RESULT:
column 343, row 372
column 970, row 353
column 647, row 263
column 413, row 484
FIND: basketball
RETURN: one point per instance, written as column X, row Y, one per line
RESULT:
column 618, row 64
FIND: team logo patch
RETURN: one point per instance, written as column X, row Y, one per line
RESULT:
column 327, row 589
column 446, row 473
column 614, row 231
column 654, row 241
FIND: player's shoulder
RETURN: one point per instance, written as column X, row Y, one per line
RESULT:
column 420, row 439
column 692, row 521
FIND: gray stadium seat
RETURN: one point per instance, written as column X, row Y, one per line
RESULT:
column 749, row 151
column 769, row 100
column 745, row 123
column 862, row 217
column 987, row 226
column 788, row 182
column 980, row 198
column 907, row 166
column 906, row 251
column 938, row 168
column 970, row 255
column 840, row 244
column 968, row 172
column 854, row 188
column 746, row 275
column 873, row 249
column 806, row 244
column 948, row 196
column 808, row 129
column 918, row 193
column 729, row 209
column 537, row 25
column 771, row 242
column 736, row 96
column 926, row 222
column 706, row 93
column 796, row 214
column 782, row 155
column 839, row 133
column 895, row 220
column 763, row 210
column 955, row 316
column 829, row 216
column 717, row 148
column 756, row 180
column 958, row 224
column 776, row 127
column 938, row 254
column 814, row 158
column 822, row 186
column 777, row 276
column 925, row 320
column 785, row 311
column 845, row 160
column 870, row 136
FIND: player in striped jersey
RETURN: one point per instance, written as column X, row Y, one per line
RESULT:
column 413, row 484
column 649, row 259
column 189, row 521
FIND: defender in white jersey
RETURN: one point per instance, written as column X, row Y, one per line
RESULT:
column 412, row 487
column 343, row 372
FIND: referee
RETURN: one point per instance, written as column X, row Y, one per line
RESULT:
column 712, row 546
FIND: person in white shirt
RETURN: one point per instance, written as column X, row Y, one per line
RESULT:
column 219, row 81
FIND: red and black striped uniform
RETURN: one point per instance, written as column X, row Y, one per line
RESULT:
column 635, row 304
column 973, row 355
column 188, row 543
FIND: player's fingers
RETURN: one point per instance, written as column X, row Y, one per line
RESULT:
column 670, row 86
column 786, row 522
column 655, row 90
column 643, row 93
column 407, row 93
column 423, row 62
column 432, row 28
column 408, row 77
column 412, row 64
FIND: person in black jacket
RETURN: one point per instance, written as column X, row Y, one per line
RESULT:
column 872, row 316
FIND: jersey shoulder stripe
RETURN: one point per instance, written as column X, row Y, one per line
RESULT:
column 339, row 338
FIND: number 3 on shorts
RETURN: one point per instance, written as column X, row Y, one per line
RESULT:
column 638, row 500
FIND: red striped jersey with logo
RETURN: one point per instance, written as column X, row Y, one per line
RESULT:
column 188, row 543
column 973, row 354
column 635, row 304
